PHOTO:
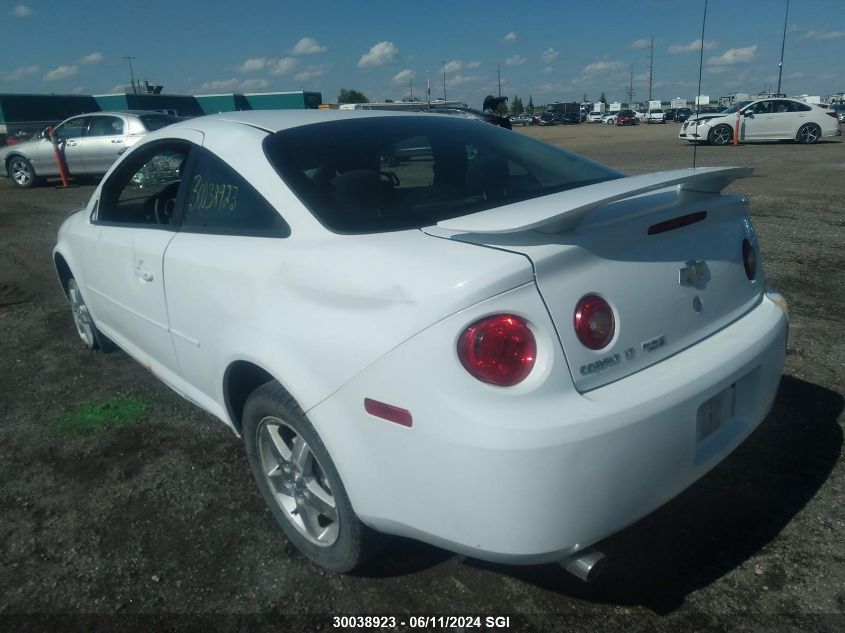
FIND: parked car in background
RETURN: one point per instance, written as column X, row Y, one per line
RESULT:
column 520, row 120
column 627, row 117
column 90, row 143
column 682, row 114
column 641, row 115
column 570, row 118
column 595, row 117
column 763, row 120
column 548, row 118
column 610, row 117
column 670, row 114
column 656, row 116
column 497, row 347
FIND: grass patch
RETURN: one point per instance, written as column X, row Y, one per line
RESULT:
column 101, row 416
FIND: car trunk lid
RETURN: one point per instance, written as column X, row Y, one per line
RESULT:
column 664, row 250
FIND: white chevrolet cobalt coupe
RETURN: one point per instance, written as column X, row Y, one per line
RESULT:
column 433, row 328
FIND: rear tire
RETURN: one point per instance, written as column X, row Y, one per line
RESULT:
column 300, row 483
column 808, row 134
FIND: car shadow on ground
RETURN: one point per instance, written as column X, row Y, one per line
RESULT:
column 723, row 519
column 709, row 530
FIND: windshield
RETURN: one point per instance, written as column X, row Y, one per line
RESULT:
column 737, row 106
column 391, row 173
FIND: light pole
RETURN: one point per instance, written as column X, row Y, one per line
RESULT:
column 782, row 46
column 444, row 80
column 131, row 74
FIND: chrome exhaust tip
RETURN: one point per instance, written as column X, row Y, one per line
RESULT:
column 587, row 564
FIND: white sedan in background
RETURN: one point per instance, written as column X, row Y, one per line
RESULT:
column 595, row 117
column 763, row 120
column 493, row 345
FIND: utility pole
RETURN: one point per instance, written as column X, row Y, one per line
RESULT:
column 782, row 45
column 444, row 80
column 650, row 67
column 411, row 81
column 131, row 74
column 630, row 91
column 499, row 74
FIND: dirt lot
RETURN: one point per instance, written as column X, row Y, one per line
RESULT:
column 120, row 499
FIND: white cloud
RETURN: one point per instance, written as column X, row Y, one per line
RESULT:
column 232, row 85
column 403, row 76
column 516, row 60
column 692, row 47
column 550, row 88
column 61, row 72
column 734, row 56
column 457, row 64
column 253, row 64
column 283, row 66
column 379, row 55
column 798, row 75
column 549, row 55
column 118, row 88
column 22, row 11
column 458, row 80
column 716, row 70
column 641, row 43
column 20, row 73
column 93, row 58
column 823, row 35
column 308, row 46
column 548, row 70
column 78, row 90
column 601, row 67
column 510, row 37
column 311, row 72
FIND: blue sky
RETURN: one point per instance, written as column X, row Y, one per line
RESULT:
column 551, row 51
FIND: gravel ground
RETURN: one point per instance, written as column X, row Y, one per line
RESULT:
column 150, row 518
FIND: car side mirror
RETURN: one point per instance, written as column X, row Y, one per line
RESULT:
column 43, row 133
column 748, row 113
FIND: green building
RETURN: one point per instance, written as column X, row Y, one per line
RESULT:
column 213, row 104
column 297, row 100
column 180, row 105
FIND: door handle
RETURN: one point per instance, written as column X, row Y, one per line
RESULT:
column 117, row 140
column 70, row 143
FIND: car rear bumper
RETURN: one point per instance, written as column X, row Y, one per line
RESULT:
column 527, row 478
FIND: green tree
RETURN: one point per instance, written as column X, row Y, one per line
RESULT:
column 603, row 99
column 530, row 104
column 516, row 105
column 351, row 96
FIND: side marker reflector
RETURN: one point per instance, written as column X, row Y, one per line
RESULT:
column 388, row 412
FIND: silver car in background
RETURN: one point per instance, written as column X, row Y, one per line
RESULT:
column 90, row 144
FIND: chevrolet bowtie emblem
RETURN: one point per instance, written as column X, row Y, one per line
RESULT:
column 695, row 273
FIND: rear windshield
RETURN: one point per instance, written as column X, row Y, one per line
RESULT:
column 391, row 173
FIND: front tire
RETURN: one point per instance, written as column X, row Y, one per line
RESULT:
column 91, row 337
column 299, row 482
column 720, row 135
column 21, row 172
column 808, row 134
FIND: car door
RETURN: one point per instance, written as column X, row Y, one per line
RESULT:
column 104, row 142
column 758, row 120
column 124, row 270
column 69, row 135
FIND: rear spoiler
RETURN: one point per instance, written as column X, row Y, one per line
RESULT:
column 561, row 211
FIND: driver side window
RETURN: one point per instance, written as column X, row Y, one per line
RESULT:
column 144, row 189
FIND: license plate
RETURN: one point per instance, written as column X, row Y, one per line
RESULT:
column 715, row 412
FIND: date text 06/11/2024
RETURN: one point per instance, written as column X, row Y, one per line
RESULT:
column 421, row 621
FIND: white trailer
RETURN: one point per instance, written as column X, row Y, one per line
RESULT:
column 599, row 107
column 702, row 100
column 679, row 102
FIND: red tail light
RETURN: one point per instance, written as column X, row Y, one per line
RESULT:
column 833, row 114
column 749, row 260
column 498, row 349
column 594, row 322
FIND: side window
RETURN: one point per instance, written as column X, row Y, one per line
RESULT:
column 72, row 128
column 762, row 107
column 105, row 126
column 144, row 189
column 219, row 200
